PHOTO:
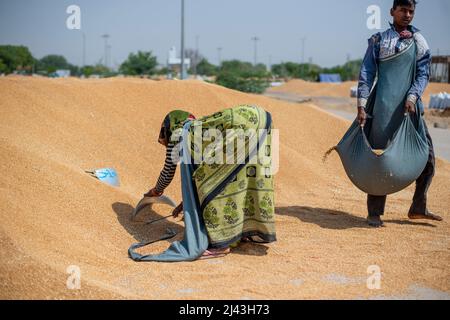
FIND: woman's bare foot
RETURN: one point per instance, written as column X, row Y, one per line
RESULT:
column 215, row 253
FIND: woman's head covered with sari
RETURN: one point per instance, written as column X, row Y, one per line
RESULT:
column 174, row 120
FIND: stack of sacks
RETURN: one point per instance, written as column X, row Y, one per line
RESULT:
column 440, row 101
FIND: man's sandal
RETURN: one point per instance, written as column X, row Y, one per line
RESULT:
column 375, row 221
column 424, row 216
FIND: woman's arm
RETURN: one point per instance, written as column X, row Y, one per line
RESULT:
column 168, row 172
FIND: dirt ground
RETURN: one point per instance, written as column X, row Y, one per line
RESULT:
column 336, row 96
column 55, row 216
column 316, row 89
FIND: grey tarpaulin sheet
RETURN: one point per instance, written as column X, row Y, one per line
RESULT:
column 195, row 240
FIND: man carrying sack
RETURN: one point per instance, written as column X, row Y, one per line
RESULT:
column 400, row 58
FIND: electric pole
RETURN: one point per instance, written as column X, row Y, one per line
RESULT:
column 84, row 48
column 219, row 55
column 105, row 61
column 256, row 39
column 303, row 49
column 182, row 41
column 109, row 56
column 196, row 56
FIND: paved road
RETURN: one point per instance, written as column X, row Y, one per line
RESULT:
column 441, row 137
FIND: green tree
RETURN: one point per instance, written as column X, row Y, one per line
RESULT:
column 309, row 72
column 98, row 69
column 348, row 71
column 306, row 71
column 2, row 66
column 74, row 70
column 16, row 58
column 233, row 81
column 205, row 68
column 260, row 71
column 162, row 71
column 243, row 76
column 142, row 63
column 52, row 62
column 243, row 69
column 351, row 70
column 87, row 71
column 279, row 70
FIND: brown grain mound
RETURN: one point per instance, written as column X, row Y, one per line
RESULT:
column 316, row 89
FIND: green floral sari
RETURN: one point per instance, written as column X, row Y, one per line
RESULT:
column 237, row 198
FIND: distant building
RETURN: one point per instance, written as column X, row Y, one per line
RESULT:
column 440, row 69
column 60, row 74
column 440, row 101
column 174, row 63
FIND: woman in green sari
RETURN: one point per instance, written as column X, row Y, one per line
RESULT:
column 227, row 183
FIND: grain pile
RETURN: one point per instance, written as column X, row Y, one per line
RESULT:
column 316, row 89
column 54, row 215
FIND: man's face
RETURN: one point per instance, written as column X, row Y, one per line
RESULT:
column 403, row 15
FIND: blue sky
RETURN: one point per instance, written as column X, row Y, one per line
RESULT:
column 333, row 29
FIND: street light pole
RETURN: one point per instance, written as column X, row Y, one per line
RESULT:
column 106, row 36
column 303, row 49
column 196, row 56
column 109, row 55
column 219, row 54
column 182, row 41
column 84, row 49
column 256, row 39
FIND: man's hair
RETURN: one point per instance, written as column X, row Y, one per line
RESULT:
column 404, row 3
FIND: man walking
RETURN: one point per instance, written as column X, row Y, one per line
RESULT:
column 404, row 42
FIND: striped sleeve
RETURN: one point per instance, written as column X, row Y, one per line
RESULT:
column 168, row 172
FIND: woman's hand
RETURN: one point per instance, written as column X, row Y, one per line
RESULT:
column 153, row 193
column 177, row 210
